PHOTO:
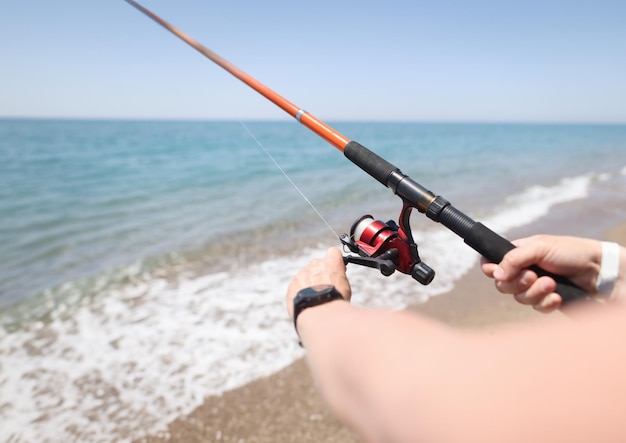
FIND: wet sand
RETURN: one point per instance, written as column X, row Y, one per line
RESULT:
column 285, row 406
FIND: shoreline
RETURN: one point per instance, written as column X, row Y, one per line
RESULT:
column 286, row 407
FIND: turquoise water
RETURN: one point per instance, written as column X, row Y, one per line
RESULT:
column 151, row 257
column 80, row 197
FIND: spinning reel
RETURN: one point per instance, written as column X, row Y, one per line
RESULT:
column 386, row 247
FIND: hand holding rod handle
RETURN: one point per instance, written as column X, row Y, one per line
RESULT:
column 480, row 238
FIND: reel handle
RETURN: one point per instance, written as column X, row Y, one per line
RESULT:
column 382, row 263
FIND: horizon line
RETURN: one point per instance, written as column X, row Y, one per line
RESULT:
column 338, row 120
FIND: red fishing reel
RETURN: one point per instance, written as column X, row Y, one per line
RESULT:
column 387, row 247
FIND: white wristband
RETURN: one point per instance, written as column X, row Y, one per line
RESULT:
column 609, row 268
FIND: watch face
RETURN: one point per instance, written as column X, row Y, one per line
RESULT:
column 316, row 290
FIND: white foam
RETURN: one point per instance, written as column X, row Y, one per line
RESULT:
column 536, row 201
column 133, row 359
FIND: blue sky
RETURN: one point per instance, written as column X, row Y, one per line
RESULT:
column 525, row 61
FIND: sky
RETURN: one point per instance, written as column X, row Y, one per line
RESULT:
column 461, row 61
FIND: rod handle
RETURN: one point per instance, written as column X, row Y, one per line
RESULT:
column 369, row 161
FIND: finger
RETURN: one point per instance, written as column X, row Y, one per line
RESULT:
column 521, row 241
column 549, row 303
column 487, row 267
column 535, row 294
column 527, row 253
column 337, row 272
column 520, row 284
column 334, row 254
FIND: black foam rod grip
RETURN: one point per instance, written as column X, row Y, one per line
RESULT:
column 370, row 162
column 493, row 247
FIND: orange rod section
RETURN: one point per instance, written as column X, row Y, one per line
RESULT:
column 314, row 124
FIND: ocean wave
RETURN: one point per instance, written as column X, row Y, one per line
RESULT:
column 536, row 201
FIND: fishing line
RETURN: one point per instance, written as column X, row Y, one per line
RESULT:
column 258, row 142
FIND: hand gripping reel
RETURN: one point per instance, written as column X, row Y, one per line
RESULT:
column 386, row 246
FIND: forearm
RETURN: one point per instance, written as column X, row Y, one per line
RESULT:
column 397, row 377
column 382, row 372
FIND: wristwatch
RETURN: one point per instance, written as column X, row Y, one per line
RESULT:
column 313, row 296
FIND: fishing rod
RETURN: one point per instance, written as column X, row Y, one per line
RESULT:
column 386, row 246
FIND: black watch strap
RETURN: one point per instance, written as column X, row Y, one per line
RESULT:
column 313, row 296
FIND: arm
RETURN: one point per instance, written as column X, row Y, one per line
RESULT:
column 579, row 259
column 394, row 376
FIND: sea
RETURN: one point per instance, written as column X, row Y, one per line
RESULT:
column 143, row 264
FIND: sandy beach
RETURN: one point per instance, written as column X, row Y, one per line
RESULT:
column 285, row 407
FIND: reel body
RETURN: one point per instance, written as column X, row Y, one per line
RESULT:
column 387, row 247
